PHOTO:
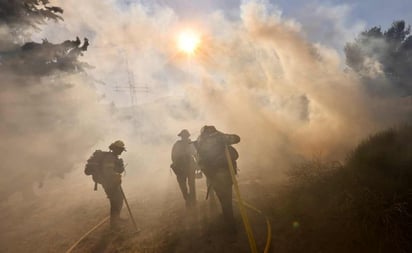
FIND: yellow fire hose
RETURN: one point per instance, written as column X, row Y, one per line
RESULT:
column 248, row 228
column 103, row 221
column 87, row 233
column 268, row 226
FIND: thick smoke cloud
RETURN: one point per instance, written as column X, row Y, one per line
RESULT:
column 256, row 75
column 252, row 75
column 47, row 125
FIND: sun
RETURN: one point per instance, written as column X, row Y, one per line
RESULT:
column 188, row 41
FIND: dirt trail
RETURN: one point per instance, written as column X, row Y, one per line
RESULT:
column 51, row 224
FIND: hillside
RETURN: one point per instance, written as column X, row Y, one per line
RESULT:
column 363, row 205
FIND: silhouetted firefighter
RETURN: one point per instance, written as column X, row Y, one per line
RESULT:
column 211, row 146
column 184, row 166
column 106, row 168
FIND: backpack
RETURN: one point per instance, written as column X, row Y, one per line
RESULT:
column 212, row 153
column 234, row 155
column 94, row 167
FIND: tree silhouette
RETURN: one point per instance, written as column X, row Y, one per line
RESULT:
column 378, row 55
column 21, row 16
column 19, row 19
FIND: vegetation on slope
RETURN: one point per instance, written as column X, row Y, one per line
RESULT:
column 364, row 205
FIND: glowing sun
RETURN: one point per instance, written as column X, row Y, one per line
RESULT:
column 188, row 41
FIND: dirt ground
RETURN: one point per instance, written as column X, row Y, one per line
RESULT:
column 62, row 212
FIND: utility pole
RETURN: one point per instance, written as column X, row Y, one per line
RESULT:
column 131, row 86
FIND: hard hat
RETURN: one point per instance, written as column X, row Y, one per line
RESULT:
column 208, row 129
column 184, row 133
column 117, row 144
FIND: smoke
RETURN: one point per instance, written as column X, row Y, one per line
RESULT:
column 255, row 76
column 47, row 124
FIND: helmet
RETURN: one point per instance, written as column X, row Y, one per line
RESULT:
column 117, row 144
column 207, row 130
column 184, row 133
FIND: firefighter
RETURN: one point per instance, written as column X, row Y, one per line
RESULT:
column 184, row 166
column 212, row 160
column 106, row 168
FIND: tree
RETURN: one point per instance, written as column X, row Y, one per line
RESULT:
column 18, row 19
column 379, row 56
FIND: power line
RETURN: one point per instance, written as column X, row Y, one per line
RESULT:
column 131, row 86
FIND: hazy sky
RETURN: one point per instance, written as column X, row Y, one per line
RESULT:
column 372, row 12
column 331, row 22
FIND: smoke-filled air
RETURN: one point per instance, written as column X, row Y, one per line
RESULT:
column 321, row 101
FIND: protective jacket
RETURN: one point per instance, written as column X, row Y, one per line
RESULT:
column 112, row 167
column 183, row 157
